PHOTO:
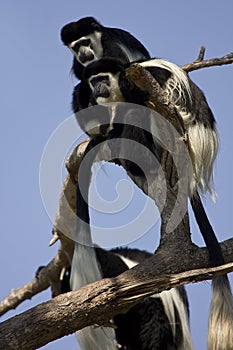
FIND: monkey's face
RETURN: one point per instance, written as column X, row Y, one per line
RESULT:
column 105, row 88
column 88, row 48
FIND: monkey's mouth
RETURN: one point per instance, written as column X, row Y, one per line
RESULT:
column 85, row 56
column 101, row 90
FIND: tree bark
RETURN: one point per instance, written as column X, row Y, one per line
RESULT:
column 98, row 302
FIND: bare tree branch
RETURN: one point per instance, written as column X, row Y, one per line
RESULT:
column 49, row 276
column 200, row 63
column 95, row 303
column 44, row 280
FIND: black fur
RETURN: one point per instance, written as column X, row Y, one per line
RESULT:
column 111, row 40
column 200, row 107
column 82, row 97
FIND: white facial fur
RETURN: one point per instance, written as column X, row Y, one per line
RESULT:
column 94, row 48
column 113, row 88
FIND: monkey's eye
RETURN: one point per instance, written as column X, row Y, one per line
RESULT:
column 78, row 44
column 85, row 42
column 99, row 79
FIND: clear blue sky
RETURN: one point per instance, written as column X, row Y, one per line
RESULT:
column 36, row 93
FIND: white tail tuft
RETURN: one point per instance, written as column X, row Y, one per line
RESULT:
column 85, row 269
column 171, row 300
column 96, row 338
column 220, row 332
column 204, row 144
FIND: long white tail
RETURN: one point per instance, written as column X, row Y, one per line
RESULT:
column 220, row 332
column 85, row 269
column 172, row 302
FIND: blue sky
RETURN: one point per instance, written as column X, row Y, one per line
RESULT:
column 36, row 93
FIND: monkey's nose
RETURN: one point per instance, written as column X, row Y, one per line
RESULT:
column 101, row 90
column 85, row 57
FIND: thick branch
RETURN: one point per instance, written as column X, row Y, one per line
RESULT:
column 92, row 304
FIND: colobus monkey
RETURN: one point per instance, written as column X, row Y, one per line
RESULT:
column 160, row 322
column 111, row 85
column 108, row 83
column 89, row 40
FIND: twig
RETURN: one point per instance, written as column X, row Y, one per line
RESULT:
column 201, row 54
column 44, row 280
column 198, row 64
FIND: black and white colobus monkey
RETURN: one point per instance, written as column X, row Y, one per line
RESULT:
column 108, row 83
column 161, row 322
column 88, row 40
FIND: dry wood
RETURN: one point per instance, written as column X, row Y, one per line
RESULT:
column 95, row 303
column 201, row 63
